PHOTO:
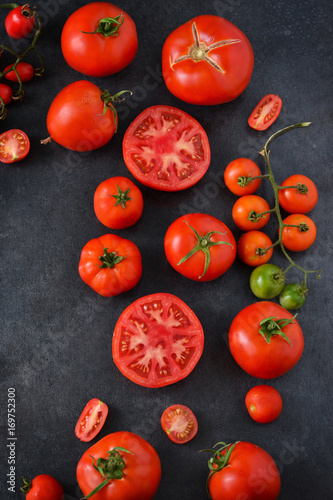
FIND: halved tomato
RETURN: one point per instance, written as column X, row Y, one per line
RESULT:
column 157, row 340
column 166, row 149
column 14, row 145
column 179, row 423
column 91, row 420
column 266, row 112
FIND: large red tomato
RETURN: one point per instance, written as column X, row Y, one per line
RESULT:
column 266, row 340
column 166, row 149
column 157, row 340
column 128, row 468
column 207, row 60
column 99, row 39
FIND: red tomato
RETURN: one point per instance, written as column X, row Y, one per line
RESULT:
column 246, row 212
column 157, row 340
column 200, row 247
column 43, row 487
column 263, row 340
column 81, row 117
column 14, row 146
column 243, row 471
column 131, row 468
column 166, row 149
column 20, row 21
column 110, row 265
column 91, row 420
column 302, row 233
column 239, row 174
column 207, row 60
column 266, row 112
column 25, row 71
column 5, row 93
column 118, row 203
column 251, row 248
column 299, row 194
column 99, row 39
column 179, row 423
column 263, row 403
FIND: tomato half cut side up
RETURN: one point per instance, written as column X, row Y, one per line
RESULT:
column 179, row 423
column 157, row 340
column 14, row 146
column 266, row 112
column 91, row 420
column 166, row 149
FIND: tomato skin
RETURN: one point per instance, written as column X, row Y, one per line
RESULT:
column 293, row 238
column 239, row 168
column 142, row 472
column 166, row 149
column 25, row 71
column 266, row 112
column 264, row 403
column 170, row 348
column 113, row 214
column 251, row 474
column 14, row 146
column 76, row 120
column 91, row 420
column 244, row 206
column 45, row 487
column 292, row 296
column 19, row 22
column 179, row 423
column 5, row 93
column 110, row 281
column 199, row 82
column 252, row 352
column 248, row 245
column 267, row 281
column 294, row 201
column 94, row 54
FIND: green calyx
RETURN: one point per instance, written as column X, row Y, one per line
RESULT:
column 121, row 197
column 203, row 243
column 26, row 486
column 218, row 461
column 109, row 99
column 108, row 26
column 110, row 259
column 273, row 326
column 109, row 468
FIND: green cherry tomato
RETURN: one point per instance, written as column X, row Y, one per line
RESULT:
column 267, row 281
column 292, row 296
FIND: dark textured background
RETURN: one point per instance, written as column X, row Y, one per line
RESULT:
column 57, row 332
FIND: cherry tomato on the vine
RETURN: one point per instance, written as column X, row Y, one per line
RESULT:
column 14, row 145
column 238, row 176
column 299, row 194
column 25, row 71
column 246, row 212
column 43, row 487
column 264, row 403
column 5, row 93
column 293, row 296
column 20, row 21
column 252, row 248
column 91, row 420
column 179, row 423
column 300, row 233
column 267, row 281
column 266, row 112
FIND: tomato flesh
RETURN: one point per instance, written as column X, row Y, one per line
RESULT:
column 179, row 423
column 14, row 146
column 166, row 149
column 266, row 112
column 91, row 420
column 157, row 340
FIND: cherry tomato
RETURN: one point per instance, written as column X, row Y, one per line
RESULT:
column 14, row 146
column 266, row 112
column 91, row 420
column 20, row 21
column 179, row 423
column 243, row 471
column 246, row 212
column 99, row 39
column 118, row 203
column 157, row 341
column 292, row 296
column 264, row 403
column 267, row 281
column 207, row 60
column 266, row 340
column 110, row 265
column 5, row 93
column 239, row 174
column 131, row 465
column 25, row 71
column 81, row 117
column 300, row 233
column 200, row 247
column 299, row 194
column 252, row 248
column 43, row 487
column 166, row 149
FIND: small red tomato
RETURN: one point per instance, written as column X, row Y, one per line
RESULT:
column 91, row 420
column 179, row 423
column 14, row 146
column 251, row 212
column 266, row 112
column 263, row 403
column 25, row 71
column 300, row 232
column 5, row 93
column 251, row 248
column 240, row 176
column 20, row 21
column 298, row 194
column 43, row 487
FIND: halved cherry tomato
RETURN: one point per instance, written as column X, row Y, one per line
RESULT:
column 251, row 248
column 179, row 423
column 266, row 112
column 20, row 22
column 166, row 149
column 239, row 174
column 300, row 233
column 247, row 210
column 298, row 194
column 91, row 420
column 157, row 340
column 14, row 146
column 25, row 71
column 264, row 403
column 5, row 93
column 43, row 487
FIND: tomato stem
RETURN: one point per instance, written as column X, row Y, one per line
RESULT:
column 110, row 259
column 108, row 26
column 273, row 326
column 218, row 461
column 121, row 197
column 27, row 484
